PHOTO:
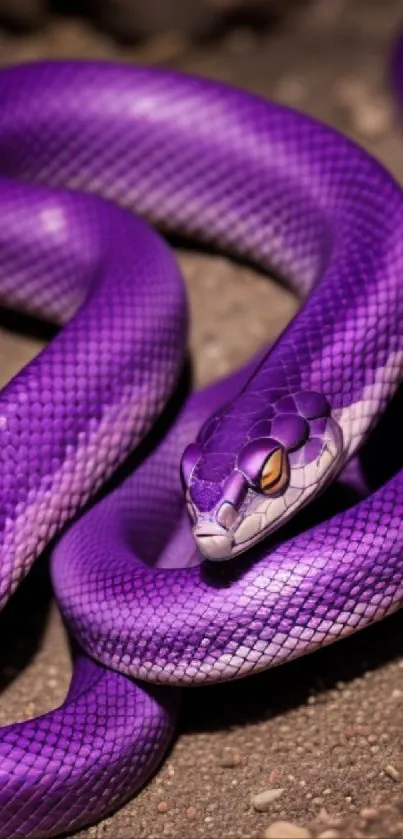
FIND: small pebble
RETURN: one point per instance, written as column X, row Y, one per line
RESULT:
column 230, row 759
column 392, row 772
column 162, row 807
column 372, row 119
column 369, row 813
column 262, row 800
column 191, row 812
column 286, row 830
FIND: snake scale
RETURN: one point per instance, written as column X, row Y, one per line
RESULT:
column 269, row 185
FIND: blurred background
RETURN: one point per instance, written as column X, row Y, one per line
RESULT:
column 324, row 732
column 133, row 20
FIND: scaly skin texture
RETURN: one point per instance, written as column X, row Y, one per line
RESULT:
column 267, row 184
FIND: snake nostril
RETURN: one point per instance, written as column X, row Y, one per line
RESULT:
column 227, row 515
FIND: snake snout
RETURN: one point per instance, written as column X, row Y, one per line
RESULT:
column 213, row 541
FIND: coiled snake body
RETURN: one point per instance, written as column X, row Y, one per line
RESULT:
column 275, row 187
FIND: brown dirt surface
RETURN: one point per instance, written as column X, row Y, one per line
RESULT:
column 325, row 730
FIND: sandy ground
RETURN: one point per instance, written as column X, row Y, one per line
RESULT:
column 325, row 731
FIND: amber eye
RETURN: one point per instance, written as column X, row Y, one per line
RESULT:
column 275, row 473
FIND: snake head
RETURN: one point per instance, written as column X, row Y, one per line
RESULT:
column 283, row 460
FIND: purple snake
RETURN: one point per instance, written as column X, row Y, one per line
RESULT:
column 205, row 161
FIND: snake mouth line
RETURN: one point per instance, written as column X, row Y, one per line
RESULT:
column 214, row 542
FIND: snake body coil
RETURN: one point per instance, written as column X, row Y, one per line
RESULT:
column 270, row 185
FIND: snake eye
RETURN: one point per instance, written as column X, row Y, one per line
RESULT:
column 271, row 477
column 275, row 473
